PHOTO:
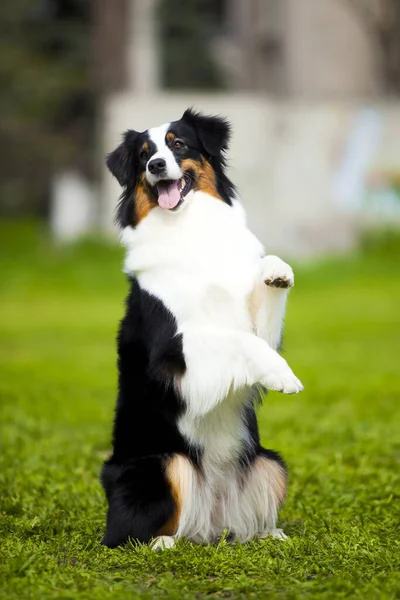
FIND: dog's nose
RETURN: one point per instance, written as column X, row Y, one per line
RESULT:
column 157, row 166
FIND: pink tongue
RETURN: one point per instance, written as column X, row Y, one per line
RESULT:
column 168, row 194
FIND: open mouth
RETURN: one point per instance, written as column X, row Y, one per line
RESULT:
column 170, row 194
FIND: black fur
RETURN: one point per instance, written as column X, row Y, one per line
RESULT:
column 145, row 430
column 140, row 501
column 125, row 164
column 214, row 134
column 121, row 161
column 255, row 449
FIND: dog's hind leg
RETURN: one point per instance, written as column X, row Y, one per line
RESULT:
column 149, row 500
column 268, row 479
column 254, row 512
column 278, row 534
column 141, row 500
column 163, row 542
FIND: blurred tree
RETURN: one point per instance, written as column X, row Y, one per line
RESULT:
column 382, row 18
column 187, row 55
column 46, row 106
column 110, row 39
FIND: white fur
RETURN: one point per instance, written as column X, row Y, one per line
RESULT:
column 163, row 542
column 279, row 534
column 269, row 318
column 222, row 496
column 157, row 135
column 204, row 264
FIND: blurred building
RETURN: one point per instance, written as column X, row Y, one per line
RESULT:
column 307, row 49
column 300, row 49
column 306, row 81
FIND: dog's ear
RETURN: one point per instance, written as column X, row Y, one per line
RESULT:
column 212, row 131
column 121, row 161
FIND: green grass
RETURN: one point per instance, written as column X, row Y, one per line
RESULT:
column 59, row 312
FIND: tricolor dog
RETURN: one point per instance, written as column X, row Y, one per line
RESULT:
column 196, row 348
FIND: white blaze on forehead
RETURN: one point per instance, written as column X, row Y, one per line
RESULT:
column 157, row 136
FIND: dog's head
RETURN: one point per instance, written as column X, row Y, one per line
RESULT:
column 165, row 166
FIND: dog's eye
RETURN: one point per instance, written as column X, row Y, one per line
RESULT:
column 178, row 144
column 143, row 155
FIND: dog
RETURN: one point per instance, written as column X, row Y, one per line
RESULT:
column 196, row 347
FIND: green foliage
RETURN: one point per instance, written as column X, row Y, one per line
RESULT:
column 60, row 306
column 46, row 104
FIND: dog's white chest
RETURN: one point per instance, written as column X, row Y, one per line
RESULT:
column 201, row 263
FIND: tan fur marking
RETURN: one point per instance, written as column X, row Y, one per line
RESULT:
column 205, row 176
column 276, row 476
column 145, row 147
column 179, row 475
column 170, row 137
column 143, row 202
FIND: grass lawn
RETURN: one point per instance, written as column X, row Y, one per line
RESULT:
column 340, row 437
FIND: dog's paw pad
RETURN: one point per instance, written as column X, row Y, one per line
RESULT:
column 279, row 282
column 276, row 273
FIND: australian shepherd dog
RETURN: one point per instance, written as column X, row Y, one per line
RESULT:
column 197, row 347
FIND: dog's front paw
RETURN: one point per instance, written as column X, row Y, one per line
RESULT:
column 276, row 273
column 281, row 378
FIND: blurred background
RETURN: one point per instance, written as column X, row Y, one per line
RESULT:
column 312, row 88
